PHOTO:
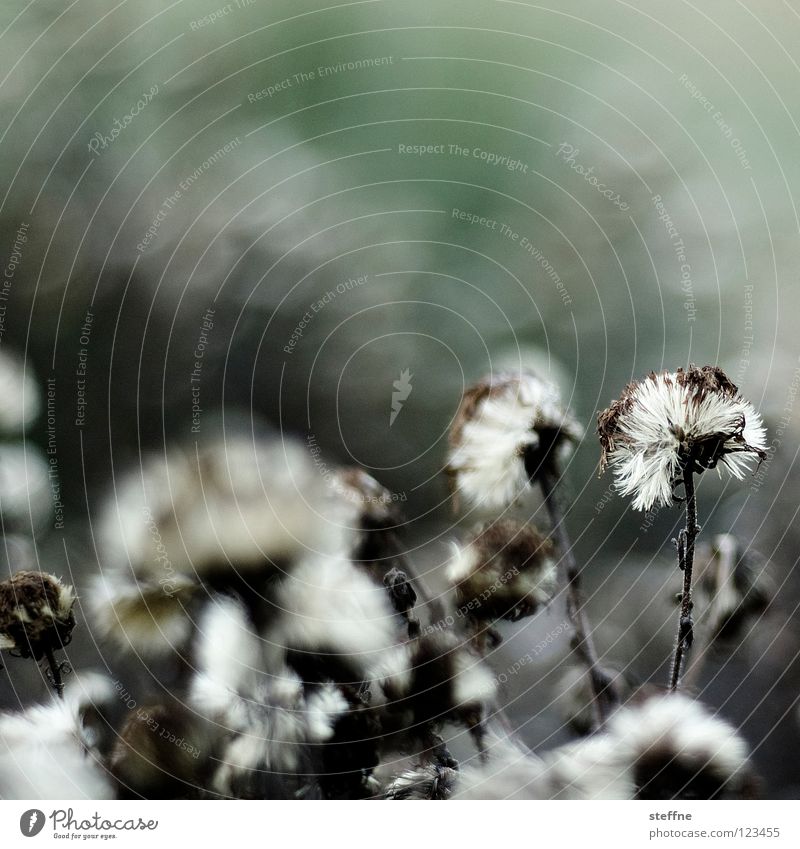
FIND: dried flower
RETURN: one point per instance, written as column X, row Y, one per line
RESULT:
column 374, row 514
column 669, row 422
column 331, row 622
column 426, row 781
column 265, row 723
column 508, row 429
column 46, row 752
column 505, row 571
column 375, row 517
column 676, row 749
column 231, row 515
column 436, row 678
column 35, row 614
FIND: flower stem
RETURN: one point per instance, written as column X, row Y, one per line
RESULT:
column 601, row 683
column 55, row 672
column 686, row 540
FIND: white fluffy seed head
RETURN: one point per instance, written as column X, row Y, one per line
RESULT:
column 669, row 421
column 505, row 571
column 672, row 734
column 330, row 611
column 45, row 754
column 141, row 616
column 236, row 503
column 502, row 420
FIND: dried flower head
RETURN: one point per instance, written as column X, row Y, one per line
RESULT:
column 426, row 781
column 676, row 749
column 230, row 515
column 436, row 678
column 46, row 751
column 669, row 422
column 505, row 571
column 266, row 725
column 508, row 429
column 35, row 614
column 331, row 621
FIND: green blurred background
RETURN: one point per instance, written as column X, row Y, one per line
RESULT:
column 600, row 188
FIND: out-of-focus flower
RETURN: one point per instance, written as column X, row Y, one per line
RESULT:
column 676, row 749
column 46, row 752
column 733, row 585
column 437, row 678
column 668, row 422
column 20, row 393
column 35, row 614
column 234, row 515
column 331, row 621
column 374, row 517
column 266, row 724
column 27, row 491
column 505, row 571
column 509, row 429
column 373, row 514
column 573, row 699
column 427, row 781
column 163, row 752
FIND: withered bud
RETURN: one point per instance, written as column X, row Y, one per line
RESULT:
column 35, row 614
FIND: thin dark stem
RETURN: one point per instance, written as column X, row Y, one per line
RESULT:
column 55, row 672
column 602, row 686
column 686, row 541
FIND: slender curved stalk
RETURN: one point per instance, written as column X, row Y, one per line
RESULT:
column 55, row 672
column 686, row 541
column 604, row 697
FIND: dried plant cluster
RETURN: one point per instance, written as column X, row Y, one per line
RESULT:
column 286, row 611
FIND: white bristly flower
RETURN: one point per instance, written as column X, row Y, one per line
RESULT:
column 668, row 422
column 508, row 429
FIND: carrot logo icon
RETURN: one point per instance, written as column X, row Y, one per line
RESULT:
column 31, row 822
column 402, row 389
